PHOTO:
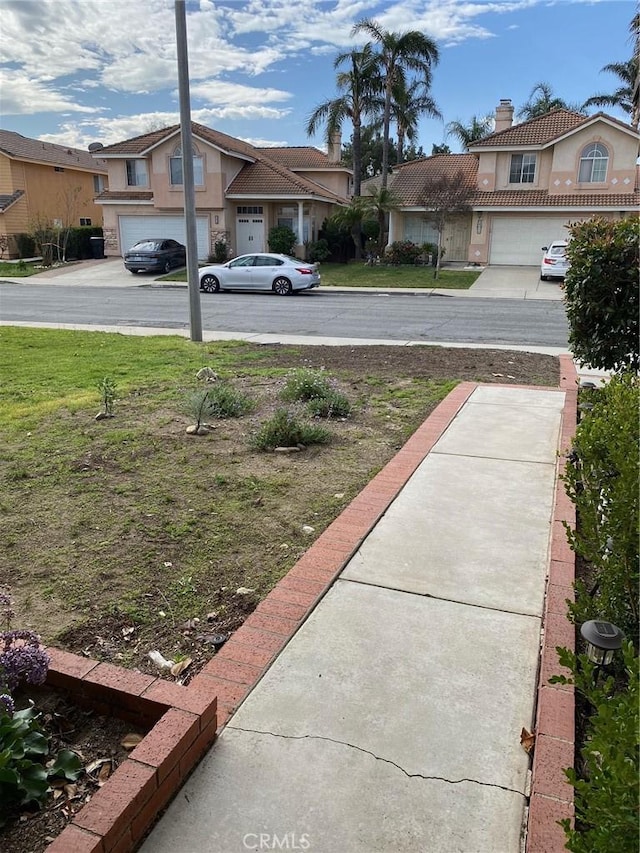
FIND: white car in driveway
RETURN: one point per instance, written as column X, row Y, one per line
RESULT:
column 262, row 271
column 554, row 263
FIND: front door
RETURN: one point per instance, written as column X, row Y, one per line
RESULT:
column 249, row 234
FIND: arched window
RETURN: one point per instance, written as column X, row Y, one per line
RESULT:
column 175, row 168
column 593, row 164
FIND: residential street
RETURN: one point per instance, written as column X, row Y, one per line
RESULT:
column 418, row 317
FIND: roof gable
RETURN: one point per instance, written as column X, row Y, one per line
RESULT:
column 408, row 180
column 545, row 129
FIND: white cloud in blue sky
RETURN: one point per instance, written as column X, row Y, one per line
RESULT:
column 77, row 71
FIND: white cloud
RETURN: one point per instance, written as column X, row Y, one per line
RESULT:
column 24, row 95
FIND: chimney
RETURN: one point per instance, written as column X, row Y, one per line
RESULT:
column 504, row 115
column 334, row 152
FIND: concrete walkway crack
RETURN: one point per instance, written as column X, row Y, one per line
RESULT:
column 378, row 758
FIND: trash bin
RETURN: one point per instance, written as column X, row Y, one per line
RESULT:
column 97, row 247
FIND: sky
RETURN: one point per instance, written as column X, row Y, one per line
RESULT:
column 75, row 72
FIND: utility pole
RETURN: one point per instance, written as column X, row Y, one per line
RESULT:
column 195, row 316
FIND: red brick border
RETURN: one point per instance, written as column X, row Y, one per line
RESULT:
column 551, row 795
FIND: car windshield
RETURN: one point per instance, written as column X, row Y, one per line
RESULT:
column 146, row 246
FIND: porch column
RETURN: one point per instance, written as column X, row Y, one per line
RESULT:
column 300, row 223
column 392, row 230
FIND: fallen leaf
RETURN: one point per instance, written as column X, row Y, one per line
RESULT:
column 244, row 590
column 130, row 740
column 71, row 791
column 90, row 768
column 527, row 740
column 105, row 772
column 178, row 668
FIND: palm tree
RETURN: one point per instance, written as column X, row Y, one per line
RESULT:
column 356, row 85
column 399, row 53
column 542, row 101
column 625, row 97
column 351, row 217
column 477, row 128
column 407, row 106
column 381, row 201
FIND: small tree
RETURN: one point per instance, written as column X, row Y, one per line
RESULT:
column 445, row 197
column 601, row 293
column 282, row 240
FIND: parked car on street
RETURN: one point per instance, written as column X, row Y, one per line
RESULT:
column 554, row 263
column 155, row 256
column 279, row 273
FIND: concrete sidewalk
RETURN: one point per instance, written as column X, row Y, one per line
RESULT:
column 390, row 721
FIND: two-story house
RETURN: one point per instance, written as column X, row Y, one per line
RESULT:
column 241, row 191
column 529, row 182
column 42, row 183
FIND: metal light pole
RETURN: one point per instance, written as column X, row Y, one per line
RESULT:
column 195, row 315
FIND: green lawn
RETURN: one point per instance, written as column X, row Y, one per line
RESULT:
column 19, row 269
column 360, row 275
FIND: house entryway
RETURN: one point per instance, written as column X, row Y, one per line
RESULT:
column 249, row 234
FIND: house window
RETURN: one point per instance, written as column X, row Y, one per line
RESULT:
column 593, row 164
column 249, row 210
column 175, row 168
column 137, row 173
column 523, row 168
column 84, row 221
column 98, row 183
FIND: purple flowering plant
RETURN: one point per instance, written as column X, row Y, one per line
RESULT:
column 22, row 658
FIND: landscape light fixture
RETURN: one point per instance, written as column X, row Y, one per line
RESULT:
column 603, row 641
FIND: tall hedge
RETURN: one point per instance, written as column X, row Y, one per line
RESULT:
column 601, row 293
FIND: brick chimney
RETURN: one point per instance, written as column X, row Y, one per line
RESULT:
column 504, row 115
column 334, row 152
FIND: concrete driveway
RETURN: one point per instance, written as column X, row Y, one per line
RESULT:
column 515, row 283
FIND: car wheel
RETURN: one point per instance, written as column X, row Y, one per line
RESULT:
column 543, row 278
column 210, row 284
column 167, row 266
column 134, row 272
column 282, row 286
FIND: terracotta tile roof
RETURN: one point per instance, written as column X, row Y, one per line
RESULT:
column 536, row 131
column 541, row 198
column 298, row 157
column 20, row 147
column 7, row 200
column 125, row 195
column 268, row 173
column 408, row 180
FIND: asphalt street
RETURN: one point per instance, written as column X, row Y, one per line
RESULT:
column 417, row 316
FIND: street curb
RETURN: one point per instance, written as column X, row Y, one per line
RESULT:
column 551, row 797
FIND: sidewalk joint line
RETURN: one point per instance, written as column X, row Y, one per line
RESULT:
column 379, row 758
column 439, row 598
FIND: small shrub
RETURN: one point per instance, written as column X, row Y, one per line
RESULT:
column 284, row 429
column 319, row 251
column 334, row 404
column 220, row 253
column 218, row 402
column 606, row 790
column 282, row 240
column 601, row 478
column 305, row 384
column 402, row 252
column 107, row 389
column 601, row 293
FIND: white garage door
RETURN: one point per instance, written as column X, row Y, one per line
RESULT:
column 134, row 228
column 519, row 239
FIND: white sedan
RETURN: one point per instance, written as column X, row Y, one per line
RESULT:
column 554, row 263
column 279, row 273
